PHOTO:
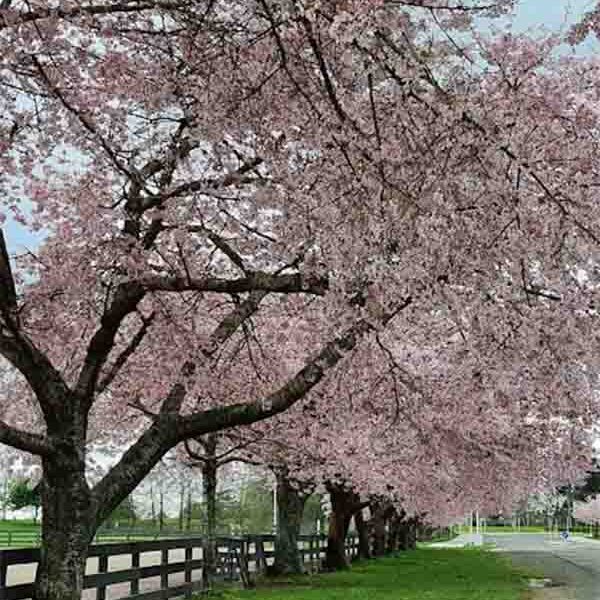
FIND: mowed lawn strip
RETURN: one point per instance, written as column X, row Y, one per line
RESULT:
column 425, row 574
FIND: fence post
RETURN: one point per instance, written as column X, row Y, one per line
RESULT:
column 259, row 550
column 3, row 569
column 102, row 568
column 188, row 569
column 135, row 564
column 164, row 574
column 231, row 557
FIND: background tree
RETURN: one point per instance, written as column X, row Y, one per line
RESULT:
column 22, row 495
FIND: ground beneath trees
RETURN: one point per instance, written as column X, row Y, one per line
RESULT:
column 425, row 573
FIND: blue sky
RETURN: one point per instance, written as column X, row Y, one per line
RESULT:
column 551, row 14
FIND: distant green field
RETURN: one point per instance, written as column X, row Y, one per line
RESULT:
column 510, row 529
column 21, row 525
column 424, row 574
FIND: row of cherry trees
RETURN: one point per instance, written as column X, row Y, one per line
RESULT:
column 360, row 217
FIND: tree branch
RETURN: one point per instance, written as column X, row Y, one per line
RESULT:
column 256, row 281
column 23, row 440
column 8, row 292
column 207, row 186
column 296, row 388
column 124, row 356
column 126, row 299
column 18, row 18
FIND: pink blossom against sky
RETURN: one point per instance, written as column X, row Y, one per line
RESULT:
column 550, row 14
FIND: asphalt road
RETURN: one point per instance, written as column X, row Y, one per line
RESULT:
column 574, row 563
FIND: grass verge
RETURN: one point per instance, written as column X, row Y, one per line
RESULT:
column 425, row 574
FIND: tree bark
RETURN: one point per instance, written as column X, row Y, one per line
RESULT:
column 161, row 514
column 362, row 528
column 378, row 529
column 395, row 528
column 209, row 489
column 68, row 528
column 188, row 516
column 181, row 506
column 343, row 504
column 290, row 507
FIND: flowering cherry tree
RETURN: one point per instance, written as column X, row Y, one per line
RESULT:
column 238, row 196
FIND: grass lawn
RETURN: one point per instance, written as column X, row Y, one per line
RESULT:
column 425, row 574
column 20, row 526
column 511, row 529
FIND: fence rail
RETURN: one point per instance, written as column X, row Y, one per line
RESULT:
column 132, row 565
column 33, row 538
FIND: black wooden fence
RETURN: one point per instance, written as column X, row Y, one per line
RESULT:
column 178, row 571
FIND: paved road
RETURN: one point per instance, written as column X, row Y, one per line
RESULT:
column 575, row 563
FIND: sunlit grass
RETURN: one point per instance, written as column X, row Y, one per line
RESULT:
column 425, row 574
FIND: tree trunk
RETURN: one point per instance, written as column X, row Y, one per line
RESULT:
column 378, row 529
column 362, row 528
column 161, row 514
column 181, row 506
column 342, row 504
column 188, row 516
column 395, row 525
column 68, row 528
column 404, row 535
column 209, row 489
column 152, row 506
column 412, row 533
column 290, row 507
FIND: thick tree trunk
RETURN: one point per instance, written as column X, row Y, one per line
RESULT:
column 68, row 528
column 209, row 489
column 343, row 503
column 290, row 507
column 362, row 528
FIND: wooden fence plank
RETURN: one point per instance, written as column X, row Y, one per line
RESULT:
column 229, row 551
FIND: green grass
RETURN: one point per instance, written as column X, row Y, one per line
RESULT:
column 424, row 574
column 510, row 529
column 23, row 526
